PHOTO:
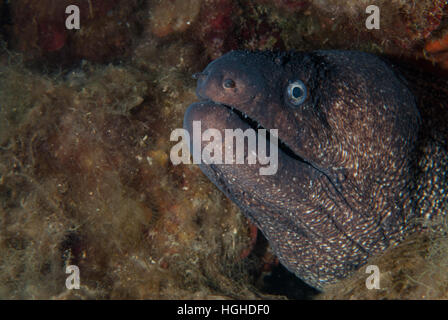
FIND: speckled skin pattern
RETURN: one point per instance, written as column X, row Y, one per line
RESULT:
column 352, row 158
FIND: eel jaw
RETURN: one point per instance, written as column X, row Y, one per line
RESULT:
column 255, row 125
column 283, row 146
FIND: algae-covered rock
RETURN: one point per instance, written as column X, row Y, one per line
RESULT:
column 416, row 269
column 86, row 180
column 107, row 30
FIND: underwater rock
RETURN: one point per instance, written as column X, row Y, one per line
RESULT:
column 437, row 51
column 86, row 180
column 107, row 30
column 291, row 5
column 226, row 25
column 217, row 23
column 173, row 16
column 405, row 24
column 416, row 269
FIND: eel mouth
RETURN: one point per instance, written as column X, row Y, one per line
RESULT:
column 282, row 145
column 255, row 125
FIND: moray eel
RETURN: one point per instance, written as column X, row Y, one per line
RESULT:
column 358, row 160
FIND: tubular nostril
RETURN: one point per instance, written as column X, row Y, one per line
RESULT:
column 199, row 75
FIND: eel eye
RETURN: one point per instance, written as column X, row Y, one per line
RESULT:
column 228, row 84
column 296, row 92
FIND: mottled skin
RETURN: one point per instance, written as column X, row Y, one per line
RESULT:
column 355, row 167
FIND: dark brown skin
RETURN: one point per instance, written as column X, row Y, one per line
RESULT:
column 358, row 161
